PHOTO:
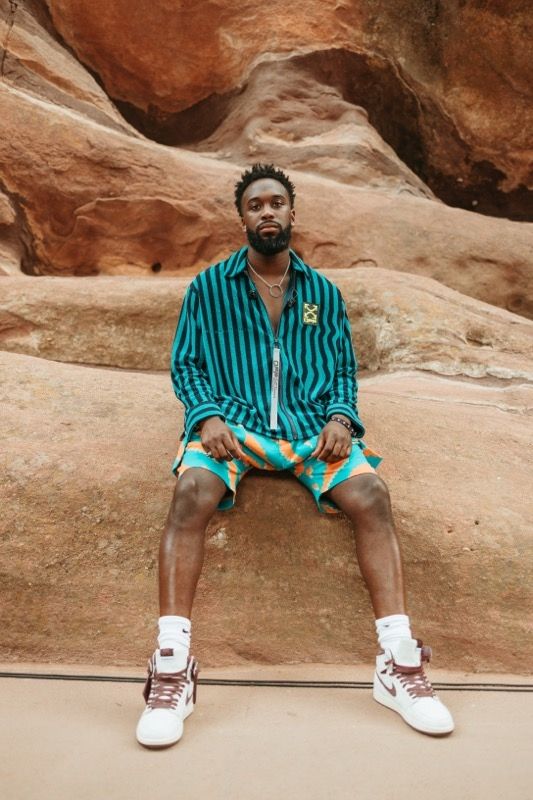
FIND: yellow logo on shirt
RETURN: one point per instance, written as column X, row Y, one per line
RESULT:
column 310, row 313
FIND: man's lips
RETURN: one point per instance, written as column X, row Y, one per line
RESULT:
column 269, row 226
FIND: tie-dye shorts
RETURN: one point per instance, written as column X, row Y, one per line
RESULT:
column 278, row 454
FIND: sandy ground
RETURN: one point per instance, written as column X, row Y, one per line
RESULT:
column 75, row 739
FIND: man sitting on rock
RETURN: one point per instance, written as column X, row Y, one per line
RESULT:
column 264, row 365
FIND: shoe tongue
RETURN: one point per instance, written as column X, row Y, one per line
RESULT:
column 407, row 653
column 170, row 660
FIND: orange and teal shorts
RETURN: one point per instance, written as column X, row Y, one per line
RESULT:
column 265, row 453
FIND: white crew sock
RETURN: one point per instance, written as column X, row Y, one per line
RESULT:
column 391, row 630
column 175, row 634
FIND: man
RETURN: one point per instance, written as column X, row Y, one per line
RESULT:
column 263, row 363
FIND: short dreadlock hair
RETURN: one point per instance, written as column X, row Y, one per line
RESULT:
column 258, row 171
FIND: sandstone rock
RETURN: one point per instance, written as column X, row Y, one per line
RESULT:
column 104, row 321
column 7, row 212
column 9, row 259
column 103, row 202
column 398, row 320
column 36, row 61
column 87, row 485
column 287, row 116
column 10, row 249
column 438, row 80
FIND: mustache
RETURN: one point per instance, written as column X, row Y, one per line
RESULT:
column 268, row 225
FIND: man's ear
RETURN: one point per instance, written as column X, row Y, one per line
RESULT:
column 243, row 224
column 293, row 217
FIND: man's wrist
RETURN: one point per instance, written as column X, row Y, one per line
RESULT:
column 200, row 425
column 343, row 420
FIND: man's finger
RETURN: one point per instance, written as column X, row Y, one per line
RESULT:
column 216, row 448
column 231, row 445
column 237, row 449
column 329, row 443
column 319, row 446
column 219, row 452
column 337, row 450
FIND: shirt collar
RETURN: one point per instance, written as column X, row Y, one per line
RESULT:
column 236, row 263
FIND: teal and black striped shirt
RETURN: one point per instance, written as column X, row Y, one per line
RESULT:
column 223, row 352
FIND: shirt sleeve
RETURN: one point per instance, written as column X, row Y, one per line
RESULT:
column 187, row 366
column 343, row 394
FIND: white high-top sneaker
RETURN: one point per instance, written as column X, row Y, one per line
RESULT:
column 170, row 697
column 400, row 684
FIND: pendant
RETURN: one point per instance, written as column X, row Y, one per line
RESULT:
column 277, row 287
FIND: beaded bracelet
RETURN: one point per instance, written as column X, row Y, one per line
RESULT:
column 347, row 425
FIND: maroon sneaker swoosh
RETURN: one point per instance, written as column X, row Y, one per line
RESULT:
column 190, row 696
column 391, row 690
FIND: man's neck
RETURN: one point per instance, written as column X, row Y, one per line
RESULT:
column 269, row 265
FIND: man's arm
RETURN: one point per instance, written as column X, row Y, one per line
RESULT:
column 335, row 440
column 189, row 379
column 192, row 387
column 343, row 394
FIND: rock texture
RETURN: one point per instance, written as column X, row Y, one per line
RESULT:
column 87, row 485
column 35, row 60
column 447, row 85
column 122, row 133
column 10, row 250
column 104, row 202
column 398, row 320
column 286, row 115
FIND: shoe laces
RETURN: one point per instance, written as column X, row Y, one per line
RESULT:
column 166, row 689
column 414, row 679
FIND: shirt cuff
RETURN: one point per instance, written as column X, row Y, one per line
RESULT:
column 347, row 411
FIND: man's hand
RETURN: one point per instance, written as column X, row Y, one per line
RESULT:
column 334, row 443
column 219, row 441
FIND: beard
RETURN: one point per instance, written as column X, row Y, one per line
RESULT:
column 270, row 245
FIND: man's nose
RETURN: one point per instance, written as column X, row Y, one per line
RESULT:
column 267, row 213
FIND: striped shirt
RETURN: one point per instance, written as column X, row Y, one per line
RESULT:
column 223, row 352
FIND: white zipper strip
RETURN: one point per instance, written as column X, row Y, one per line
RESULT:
column 274, row 389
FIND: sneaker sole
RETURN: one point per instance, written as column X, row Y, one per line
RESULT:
column 159, row 744
column 384, row 699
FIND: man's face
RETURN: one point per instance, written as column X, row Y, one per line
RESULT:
column 267, row 216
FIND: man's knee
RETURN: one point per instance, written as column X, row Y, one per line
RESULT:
column 366, row 493
column 196, row 494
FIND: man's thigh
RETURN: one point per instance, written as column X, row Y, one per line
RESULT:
column 223, row 476
column 321, row 477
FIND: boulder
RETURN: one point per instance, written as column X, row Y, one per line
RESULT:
column 398, row 320
column 104, row 321
column 103, row 202
column 86, row 488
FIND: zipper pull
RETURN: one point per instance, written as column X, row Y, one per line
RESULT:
column 274, row 386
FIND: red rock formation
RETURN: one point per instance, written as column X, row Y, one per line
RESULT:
column 398, row 321
column 86, row 487
column 97, row 200
column 287, row 116
column 366, row 104
column 10, row 251
column 447, row 85
column 35, row 60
